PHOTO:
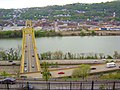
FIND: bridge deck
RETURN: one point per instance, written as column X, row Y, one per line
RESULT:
column 30, row 61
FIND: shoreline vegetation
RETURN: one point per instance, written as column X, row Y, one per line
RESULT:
column 10, row 54
column 15, row 54
column 59, row 55
column 52, row 33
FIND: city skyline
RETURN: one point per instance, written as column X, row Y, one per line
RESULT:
column 8, row 4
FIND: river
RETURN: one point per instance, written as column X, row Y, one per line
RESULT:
column 73, row 44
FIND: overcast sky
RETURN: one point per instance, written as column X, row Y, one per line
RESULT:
column 40, row 3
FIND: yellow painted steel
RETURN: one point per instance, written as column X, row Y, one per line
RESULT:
column 23, row 53
column 29, row 55
column 28, row 23
column 29, row 30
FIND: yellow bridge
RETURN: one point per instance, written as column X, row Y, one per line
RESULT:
column 30, row 61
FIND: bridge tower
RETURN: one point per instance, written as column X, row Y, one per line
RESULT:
column 28, row 23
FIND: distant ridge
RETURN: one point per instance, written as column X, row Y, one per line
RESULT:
column 73, row 12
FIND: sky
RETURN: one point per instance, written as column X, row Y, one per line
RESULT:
column 7, row 4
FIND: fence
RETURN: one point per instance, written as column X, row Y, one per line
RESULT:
column 57, row 85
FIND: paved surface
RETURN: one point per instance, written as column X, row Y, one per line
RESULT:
column 70, row 62
column 10, row 69
column 68, row 70
column 30, row 60
column 84, row 61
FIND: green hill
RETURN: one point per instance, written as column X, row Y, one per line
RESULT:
column 75, row 12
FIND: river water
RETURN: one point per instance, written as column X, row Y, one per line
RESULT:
column 73, row 44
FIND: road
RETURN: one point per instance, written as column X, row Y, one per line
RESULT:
column 30, row 60
column 81, row 61
column 68, row 71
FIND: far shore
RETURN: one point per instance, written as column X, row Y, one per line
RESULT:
column 87, row 33
column 40, row 33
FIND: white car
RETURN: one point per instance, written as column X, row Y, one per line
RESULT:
column 111, row 65
column 25, row 69
column 104, row 59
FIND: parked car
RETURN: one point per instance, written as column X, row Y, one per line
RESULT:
column 13, row 63
column 10, row 61
column 23, row 77
column 93, row 68
column 8, row 81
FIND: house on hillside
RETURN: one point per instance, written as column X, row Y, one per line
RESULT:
column 66, row 26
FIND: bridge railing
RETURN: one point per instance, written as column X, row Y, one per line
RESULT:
column 23, row 53
column 63, row 85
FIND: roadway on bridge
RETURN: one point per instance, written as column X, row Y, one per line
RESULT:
column 30, row 60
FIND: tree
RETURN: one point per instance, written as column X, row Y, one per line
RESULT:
column 3, row 55
column 101, row 55
column 4, row 74
column 109, row 76
column 82, row 33
column 17, row 73
column 45, row 73
column 69, row 55
column 82, row 54
column 115, row 55
column 109, row 57
column 58, row 55
column 93, row 32
column 81, row 71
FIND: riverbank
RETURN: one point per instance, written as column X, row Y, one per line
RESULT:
column 40, row 33
column 90, row 33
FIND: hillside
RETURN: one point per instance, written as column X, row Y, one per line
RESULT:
column 74, row 12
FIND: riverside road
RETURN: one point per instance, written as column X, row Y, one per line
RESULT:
column 99, row 65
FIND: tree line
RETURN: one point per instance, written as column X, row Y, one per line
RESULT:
column 11, row 34
column 18, row 34
column 15, row 54
column 59, row 55
column 10, row 54
column 43, row 33
column 76, row 11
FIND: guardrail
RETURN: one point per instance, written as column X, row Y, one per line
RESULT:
column 48, row 85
